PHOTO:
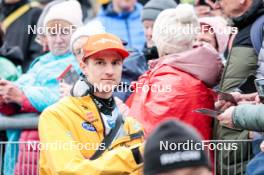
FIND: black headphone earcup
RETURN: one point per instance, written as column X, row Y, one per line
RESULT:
column 90, row 88
column 71, row 91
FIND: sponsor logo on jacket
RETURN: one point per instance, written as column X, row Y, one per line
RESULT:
column 88, row 126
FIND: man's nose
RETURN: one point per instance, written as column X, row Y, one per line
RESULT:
column 109, row 70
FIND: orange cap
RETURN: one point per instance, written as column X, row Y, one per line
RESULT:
column 101, row 42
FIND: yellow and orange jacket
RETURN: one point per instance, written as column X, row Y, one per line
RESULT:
column 70, row 132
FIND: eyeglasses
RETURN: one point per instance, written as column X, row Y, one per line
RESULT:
column 78, row 52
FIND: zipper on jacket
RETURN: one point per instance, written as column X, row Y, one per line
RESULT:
column 225, row 69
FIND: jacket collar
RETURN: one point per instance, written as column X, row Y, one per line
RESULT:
column 58, row 57
column 256, row 10
column 202, row 62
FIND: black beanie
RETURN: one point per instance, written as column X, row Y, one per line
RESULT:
column 153, row 8
column 161, row 155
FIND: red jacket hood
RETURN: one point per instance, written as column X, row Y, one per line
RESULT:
column 202, row 62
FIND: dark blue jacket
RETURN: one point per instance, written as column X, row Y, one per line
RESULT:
column 134, row 66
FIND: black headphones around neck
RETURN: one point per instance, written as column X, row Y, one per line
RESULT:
column 82, row 87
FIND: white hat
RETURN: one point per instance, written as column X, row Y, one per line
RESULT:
column 175, row 29
column 91, row 28
column 69, row 11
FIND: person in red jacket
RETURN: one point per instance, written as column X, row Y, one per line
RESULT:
column 179, row 81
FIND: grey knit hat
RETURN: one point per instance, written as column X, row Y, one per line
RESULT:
column 152, row 9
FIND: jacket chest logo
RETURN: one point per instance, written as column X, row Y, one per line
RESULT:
column 88, row 126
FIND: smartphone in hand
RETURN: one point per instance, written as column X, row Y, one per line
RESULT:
column 68, row 76
column 208, row 112
column 226, row 96
column 259, row 83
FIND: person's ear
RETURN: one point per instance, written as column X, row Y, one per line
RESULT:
column 82, row 65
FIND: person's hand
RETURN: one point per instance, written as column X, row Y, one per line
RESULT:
column 222, row 105
column 247, row 102
column 248, row 97
column 226, row 117
column 243, row 97
column 237, row 96
column 252, row 98
column 65, row 89
column 10, row 92
column 257, row 100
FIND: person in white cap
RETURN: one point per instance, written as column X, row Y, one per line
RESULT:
column 59, row 21
column 41, row 37
column 78, row 40
column 80, row 36
column 39, row 88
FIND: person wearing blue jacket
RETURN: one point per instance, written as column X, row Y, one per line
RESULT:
column 38, row 88
column 122, row 18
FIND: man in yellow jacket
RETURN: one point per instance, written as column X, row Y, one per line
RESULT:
column 75, row 132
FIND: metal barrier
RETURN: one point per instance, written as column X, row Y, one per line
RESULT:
column 32, row 157
column 23, row 162
column 228, row 156
column 8, row 161
column 19, row 121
